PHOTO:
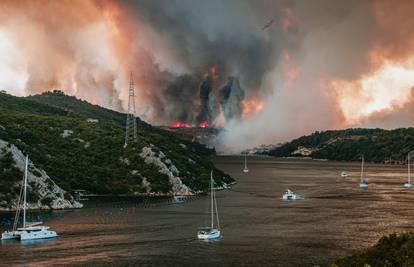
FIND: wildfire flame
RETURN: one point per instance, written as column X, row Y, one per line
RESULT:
column 384, row 90
column 251, row 107
column 179, row 124
column 203, row 124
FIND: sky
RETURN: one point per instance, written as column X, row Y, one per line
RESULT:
column 264, row 71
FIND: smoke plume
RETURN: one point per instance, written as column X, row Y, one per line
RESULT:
column 231, row 98
column 205, row 89
column 266, row 71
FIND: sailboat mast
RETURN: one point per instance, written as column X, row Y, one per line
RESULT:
column 409, row 168
column 212, row 203
column 362, row 169
column 215, row 206
column 245, row 161
column 24, row 193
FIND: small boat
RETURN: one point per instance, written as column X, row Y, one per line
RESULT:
column 344, row 174
column 408, row 184
column 179, row 199
column 29, row 231
column 80, row 195
column 289, row 195
column 211, row 233
column 363, row 184
column 245, row 170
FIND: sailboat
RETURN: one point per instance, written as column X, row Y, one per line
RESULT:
column 363, row 184
column 209, row 233
column 29, row 231
column 408, row 184
column 246, row 170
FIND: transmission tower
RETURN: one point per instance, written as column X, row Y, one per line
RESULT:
column 131, row 124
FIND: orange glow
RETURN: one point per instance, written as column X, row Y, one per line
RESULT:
column 387, row 88
column 179, row 124
column 251, row 107
column 291, row 76
column 213, row 72
column 287, row 19
column 203, row 124
column 290, row 70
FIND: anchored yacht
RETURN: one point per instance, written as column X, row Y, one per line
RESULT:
column 408, row 184
column 363, row 184
column 245, row 170
column 29, row 231
column 210, row 233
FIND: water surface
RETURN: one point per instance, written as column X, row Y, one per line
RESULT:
column 259, row 229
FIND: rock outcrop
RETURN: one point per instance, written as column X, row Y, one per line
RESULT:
column 166, row 167
column 44, row 193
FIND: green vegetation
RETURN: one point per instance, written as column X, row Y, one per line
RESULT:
column 10, row 175
column 377, row 145
column 390, row 251
column 53, row 129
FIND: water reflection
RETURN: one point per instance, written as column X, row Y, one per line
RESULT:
column 335, row 219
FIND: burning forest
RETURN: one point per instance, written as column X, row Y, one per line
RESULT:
column 271, row 70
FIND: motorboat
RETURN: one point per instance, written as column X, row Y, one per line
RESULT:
column 179, row 199
column 289, row 195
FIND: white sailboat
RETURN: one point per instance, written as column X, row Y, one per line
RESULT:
column 363, row 184
column 29, row 231
column 408, row 184
column 245, row 170
column 209, row 233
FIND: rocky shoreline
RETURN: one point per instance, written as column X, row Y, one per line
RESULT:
column 44, row 193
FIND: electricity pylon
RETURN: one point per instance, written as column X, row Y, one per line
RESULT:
column 131, row 124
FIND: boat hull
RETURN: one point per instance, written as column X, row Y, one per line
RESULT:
column 9, row 235
column 209, row 235
column 289, row 195
column 245, row 170
column 179, row 200
column 408, row 185
column 26, row 235
column 363, row 185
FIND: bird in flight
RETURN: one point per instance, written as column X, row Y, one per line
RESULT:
column 267, row 25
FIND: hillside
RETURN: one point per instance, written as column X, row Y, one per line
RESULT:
column 79, row 153
column 393, row 250
column 43, row 192
column 377, row 145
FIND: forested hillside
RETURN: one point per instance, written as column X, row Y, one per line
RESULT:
column 393, row 250
column 80, row 146
column 377, row 145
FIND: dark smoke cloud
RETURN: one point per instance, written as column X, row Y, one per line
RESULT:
column 180, row 97
column 205, row 90
column 88, row 48
column 231, row 97
column 205, row 34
